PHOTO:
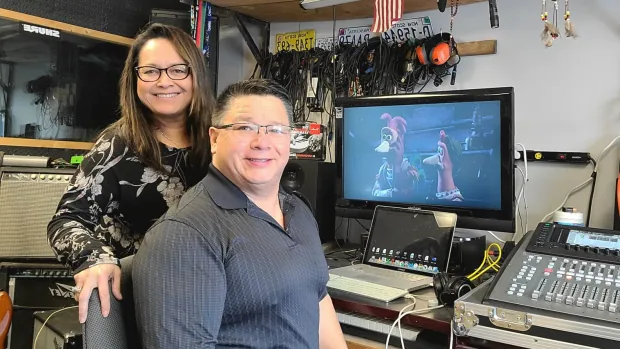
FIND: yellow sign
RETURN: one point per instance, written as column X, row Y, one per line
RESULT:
column 296, row 41
column 538, row 156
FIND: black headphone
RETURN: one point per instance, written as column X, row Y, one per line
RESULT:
column 450, row 288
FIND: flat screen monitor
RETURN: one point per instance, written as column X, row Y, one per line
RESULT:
column 446, row 151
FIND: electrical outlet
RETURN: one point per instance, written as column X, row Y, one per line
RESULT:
column 554, row 156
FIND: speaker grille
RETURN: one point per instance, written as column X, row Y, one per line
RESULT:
column 27, row 203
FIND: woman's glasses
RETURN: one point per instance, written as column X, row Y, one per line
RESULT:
column 152, row 74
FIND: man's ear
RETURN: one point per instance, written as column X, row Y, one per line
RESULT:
column 213, row 133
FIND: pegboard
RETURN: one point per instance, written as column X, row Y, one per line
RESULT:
column 120, row 17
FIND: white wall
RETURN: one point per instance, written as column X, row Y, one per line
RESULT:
column 235, row 60
column 567, row 96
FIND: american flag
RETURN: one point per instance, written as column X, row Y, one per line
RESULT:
column 387, row 12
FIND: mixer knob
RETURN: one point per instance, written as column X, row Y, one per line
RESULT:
column 586, row 249
column 567, row 246
column 606, row 251
column 577, row 247
column 616, row 253
column 596, row 250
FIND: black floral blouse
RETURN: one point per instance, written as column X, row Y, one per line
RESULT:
column 113, row 199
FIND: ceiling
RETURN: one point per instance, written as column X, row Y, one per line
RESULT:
column 290, row 11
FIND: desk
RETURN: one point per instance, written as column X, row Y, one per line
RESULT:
column 435, row 323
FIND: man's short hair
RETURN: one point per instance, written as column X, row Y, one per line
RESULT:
column 252, row 87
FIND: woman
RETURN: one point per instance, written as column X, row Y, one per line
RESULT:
column 140, row 166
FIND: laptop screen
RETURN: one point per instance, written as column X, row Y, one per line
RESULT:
column 410, row 240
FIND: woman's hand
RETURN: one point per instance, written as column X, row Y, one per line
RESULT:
column 97, row 276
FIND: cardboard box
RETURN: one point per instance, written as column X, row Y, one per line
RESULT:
column 308, row 141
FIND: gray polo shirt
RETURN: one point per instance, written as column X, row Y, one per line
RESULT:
column 218, row 272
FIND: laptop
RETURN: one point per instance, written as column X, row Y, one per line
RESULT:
column 405, row 248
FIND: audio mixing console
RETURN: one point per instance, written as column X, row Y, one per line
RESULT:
column 568, row 270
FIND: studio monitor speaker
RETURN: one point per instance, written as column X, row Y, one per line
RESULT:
column 315, row 183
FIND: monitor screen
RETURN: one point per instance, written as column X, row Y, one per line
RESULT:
column 443, row 154
column 409, row 239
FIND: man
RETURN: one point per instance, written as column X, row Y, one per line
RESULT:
column 239, row 262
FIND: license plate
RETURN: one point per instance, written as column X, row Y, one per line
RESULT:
column 325, row 43
column 296, row 41
column 403, row 30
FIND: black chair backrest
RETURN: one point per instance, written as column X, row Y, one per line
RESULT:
column 119, row 329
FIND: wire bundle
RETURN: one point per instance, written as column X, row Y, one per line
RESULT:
column 372, row 69
column 491, row 263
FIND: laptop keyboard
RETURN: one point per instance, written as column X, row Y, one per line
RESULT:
column 365, row 289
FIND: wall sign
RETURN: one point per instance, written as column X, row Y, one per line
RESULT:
column 39, row 30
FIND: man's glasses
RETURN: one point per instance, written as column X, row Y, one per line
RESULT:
column 152, row 74
column 248, row 130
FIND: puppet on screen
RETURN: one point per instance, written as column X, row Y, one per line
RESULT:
column 446, row 161
column 396, row 177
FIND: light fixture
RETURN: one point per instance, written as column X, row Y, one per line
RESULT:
column 314, row 4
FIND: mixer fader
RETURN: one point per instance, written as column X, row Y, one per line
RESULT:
column 569, row 270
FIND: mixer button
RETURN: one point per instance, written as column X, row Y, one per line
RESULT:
column 510, row 293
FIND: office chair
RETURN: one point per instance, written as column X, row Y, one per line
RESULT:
column 119, row 330
column 6, row 315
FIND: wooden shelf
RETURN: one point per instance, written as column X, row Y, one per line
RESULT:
column 42, row 143
column 73, row 29
column 290, row 11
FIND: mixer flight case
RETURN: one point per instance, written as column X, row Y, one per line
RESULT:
column 478, row 315
column 524, row 328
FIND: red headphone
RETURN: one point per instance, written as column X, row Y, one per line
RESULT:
column 437, row 49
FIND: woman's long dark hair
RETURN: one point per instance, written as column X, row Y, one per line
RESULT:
column 136, row 124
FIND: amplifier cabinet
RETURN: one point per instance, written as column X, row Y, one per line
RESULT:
column 29, row 198
column 34, row 287
column 61, row 331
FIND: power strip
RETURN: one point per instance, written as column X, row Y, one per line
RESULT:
column 554, row 156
